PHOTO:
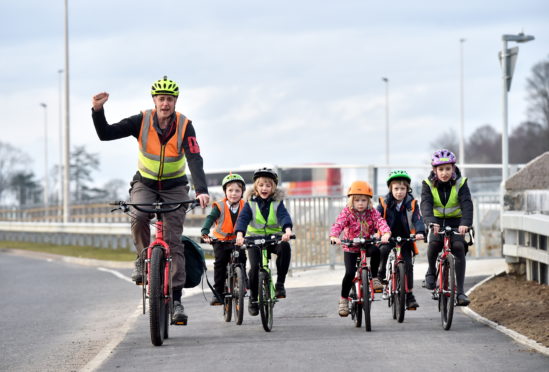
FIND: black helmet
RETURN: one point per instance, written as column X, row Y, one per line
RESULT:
column 266, row 172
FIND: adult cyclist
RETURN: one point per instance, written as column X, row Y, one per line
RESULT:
column 167, row 140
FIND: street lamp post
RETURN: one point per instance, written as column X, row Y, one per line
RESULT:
column 66, row 153
column 386, row 80
column 46, row 182
column 507, row 75
column 461, row 110
column 60, row 190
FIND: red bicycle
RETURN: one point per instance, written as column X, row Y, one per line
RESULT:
column 397, row 286
column 362, row 292
column 445, row 290
column 157, row 287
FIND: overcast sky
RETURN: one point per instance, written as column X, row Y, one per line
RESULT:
column 289, row 82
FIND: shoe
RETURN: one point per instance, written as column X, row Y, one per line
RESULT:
column 377, row 284
column 385, row 295
column 179, row 316
column 430, row 282
column 280, row 291
column 137, row 273
column 253, row 308
column 215, row 301
column 411, row 302
column 343, row 308
column 463, row 300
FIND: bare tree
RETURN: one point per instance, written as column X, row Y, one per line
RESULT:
column 81, row 168
column 26, row 189
column 12, row 160
column 538, row 93
column 116, row 189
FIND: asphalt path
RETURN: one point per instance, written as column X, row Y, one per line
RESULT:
column 308, row 334
column 56, row 316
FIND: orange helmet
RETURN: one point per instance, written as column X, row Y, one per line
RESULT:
column 360, row 188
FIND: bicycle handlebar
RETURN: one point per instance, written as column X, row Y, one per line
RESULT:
column 398, row 239
column 254, row 240
column 449, row 231
column 157, row 206
column 360, row 241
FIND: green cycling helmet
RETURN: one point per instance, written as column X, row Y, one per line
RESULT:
column 165, row 86
column 398, row 175
column 233, row 177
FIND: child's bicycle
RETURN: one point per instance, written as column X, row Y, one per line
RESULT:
column 235, row 284
column 362, row 292
column 397, row 279
column 445, row 290
column 157, row 283
column 266, row 293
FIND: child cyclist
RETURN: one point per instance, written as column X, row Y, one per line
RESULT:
column 446, row 201
column 265, row 213
column 399, row 209
column 224, row 215
column 359, row 219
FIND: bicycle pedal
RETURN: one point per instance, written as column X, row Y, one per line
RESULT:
column 378, row 290
column 411, row 308
column 180, row 323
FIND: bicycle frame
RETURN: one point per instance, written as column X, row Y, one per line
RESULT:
column 396, row 251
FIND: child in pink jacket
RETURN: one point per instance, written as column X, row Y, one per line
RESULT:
column 359, row 219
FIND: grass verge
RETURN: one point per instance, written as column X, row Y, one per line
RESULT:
column 74, row 251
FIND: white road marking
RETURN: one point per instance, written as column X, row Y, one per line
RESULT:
column 115, row 273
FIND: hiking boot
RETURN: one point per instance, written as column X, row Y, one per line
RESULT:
column 377, row 284
column 253, row 308
column 411, row 302
column 430, row 282
column 463, row 300
column 215, row 301
column 137, row 273
column 343, row 308
column 179, row 316
column 280, row 291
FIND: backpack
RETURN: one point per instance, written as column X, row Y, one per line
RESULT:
column 195, row 263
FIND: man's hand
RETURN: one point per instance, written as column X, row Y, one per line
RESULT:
column 99, row 100
column 204, row 200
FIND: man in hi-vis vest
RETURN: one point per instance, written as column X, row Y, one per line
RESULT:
column 167, row 140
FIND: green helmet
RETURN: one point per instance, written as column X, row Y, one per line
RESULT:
column 398, row 175
column 165, row 86
column 233, row 177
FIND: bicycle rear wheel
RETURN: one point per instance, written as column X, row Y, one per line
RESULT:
column 265, row 301
column 158, row 308
column 356, row 310
column 227, row 299
column 448, row 291
column 400, row 295
column 366, row 300
column 239, row 290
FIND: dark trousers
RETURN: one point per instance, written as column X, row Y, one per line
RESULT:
column 458, row 250
column 283, row 253
column 407, row 253
column 350, row 259
column 222, row 253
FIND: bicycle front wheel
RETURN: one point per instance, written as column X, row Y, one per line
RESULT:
column 448, row 291
column 266, row 302
column 238, row 294
column 158, row 307
column 400, row 295
column 366, row 300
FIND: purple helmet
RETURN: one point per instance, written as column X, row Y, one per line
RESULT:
column 443, row 157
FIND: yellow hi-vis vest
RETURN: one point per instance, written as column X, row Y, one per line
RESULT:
column 409, row 216
column 452, row 209
column 161, row 162
column 258, row 225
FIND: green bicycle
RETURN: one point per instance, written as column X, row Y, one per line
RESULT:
column 266, row 293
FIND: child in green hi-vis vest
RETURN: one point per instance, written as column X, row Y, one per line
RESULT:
column 446, row 201
column 264, row 213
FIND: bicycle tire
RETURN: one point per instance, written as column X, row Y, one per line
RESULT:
column 265, row 301
column 392, row 294
column 238, row 295
column 158, row 318
column 449, row 291
column 356, row 311
column 227, row 300
column 400, row 295
column 366, row 300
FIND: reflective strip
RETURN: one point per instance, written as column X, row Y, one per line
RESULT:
column 452, row 209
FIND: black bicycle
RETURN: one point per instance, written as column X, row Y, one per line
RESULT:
column 235, row 284
column 157, row 286
column 266, row 293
